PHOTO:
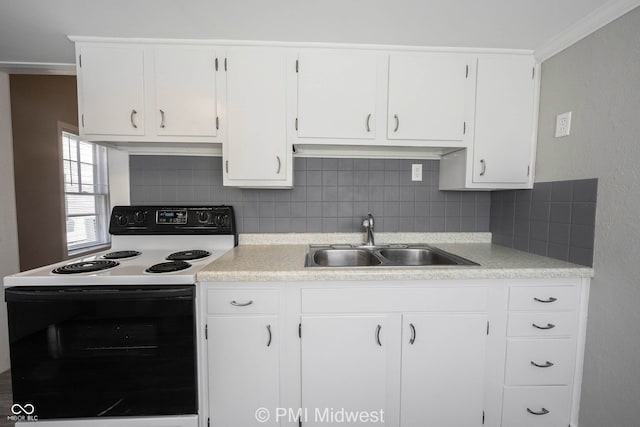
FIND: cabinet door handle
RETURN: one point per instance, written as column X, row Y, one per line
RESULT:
column 549, row 326
column 378, row 329
column 133, row 119
column 546, row 301
column 162, row 123
column 413, row 334
column 395, row 116
column 226, row 165
column 547, row 364
column 279, row 164
column 270, row 336
column 542, row 412
column 241, row 304
column 484, row 167
column 368, row 122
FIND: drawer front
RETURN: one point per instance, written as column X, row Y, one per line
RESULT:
column 555, row 360
column 553, row 405
column 543, row 298
column 545, row 324
column 243, row 301
column 461, row 299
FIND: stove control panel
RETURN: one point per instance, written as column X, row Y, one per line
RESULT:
column 172, row 220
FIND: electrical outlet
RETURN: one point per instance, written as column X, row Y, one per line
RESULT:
column 416, row 172
column 563, row 124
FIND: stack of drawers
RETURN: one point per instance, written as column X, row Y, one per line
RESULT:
column 541, row 356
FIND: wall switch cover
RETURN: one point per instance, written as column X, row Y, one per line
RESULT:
column 416, row 172
column 563, row 124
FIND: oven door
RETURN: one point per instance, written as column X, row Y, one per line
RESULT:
column 103, row 351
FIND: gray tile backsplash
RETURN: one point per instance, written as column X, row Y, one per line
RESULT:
column 329, row 195
column 555, row 219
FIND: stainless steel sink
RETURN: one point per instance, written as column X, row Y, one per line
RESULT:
column 416, row 256
column 345, row 258
column 381, row 256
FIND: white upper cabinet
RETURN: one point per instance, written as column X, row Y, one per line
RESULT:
column 503, row 151
column 430, row 97
column 111, row 90
column 337, row 94
column 504, row 119
column 146, row 92
column 185, row 89
column 257, row 152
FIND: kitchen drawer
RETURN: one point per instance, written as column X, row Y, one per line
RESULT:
column 450, row 299
column 243, row 301
column 547, row 324
column 521, row 353
column 552, row 403
column 543, row 298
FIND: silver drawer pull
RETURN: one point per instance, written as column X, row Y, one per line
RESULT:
column 378, row 329
column 546, row 301
column 241, row 304
column 133, row 119
column 412, row 340
column 162, row 123
column 547, row 364
column 368, row 122
column 542, row 412
column 549, row 326
column 270, row 336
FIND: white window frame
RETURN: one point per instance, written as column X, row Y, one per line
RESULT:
column 100, row 193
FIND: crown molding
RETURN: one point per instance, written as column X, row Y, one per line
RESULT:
column 589, row 24
column 55, row 68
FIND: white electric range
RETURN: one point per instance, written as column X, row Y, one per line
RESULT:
column 109, row 339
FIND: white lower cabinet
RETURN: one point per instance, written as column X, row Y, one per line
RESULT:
column 243, row 361
column 345, row 365
column 443, row 370
column 457, row 353
column 536, row 407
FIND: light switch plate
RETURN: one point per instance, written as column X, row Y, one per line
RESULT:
column 416, row 172
column 563, row 124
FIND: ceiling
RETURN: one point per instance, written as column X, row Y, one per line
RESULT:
column 36, row 30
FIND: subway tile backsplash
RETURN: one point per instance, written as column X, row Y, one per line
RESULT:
column 329, row 195
column 555, row 219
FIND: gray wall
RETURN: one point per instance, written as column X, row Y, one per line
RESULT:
column 329, row 195
column 598, row 79
column 555, row 219
column 8, row 226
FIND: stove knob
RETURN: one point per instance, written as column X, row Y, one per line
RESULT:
column 218, row 220
column 139, row 216
column 203, row 216
column 122, row 220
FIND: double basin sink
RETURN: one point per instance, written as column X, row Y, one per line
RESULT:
column 381, row 256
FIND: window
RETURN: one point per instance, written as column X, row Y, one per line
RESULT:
column 86, row 193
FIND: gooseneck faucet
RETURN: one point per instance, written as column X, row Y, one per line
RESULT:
column 368, row 226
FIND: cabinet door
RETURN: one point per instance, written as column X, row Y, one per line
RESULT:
column 443, row 370
column 344, row 365
column 185, row 87
column 337, row 95
column 256, row 148
column 504, row 119
column 243, row 363
column 111, row 90
column 428, row 96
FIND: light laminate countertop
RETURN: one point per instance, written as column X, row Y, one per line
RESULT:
column 284, row 262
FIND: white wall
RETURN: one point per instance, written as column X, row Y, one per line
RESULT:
column 598, row 79
column 8, row 226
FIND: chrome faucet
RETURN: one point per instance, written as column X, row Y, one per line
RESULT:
column 367, row 223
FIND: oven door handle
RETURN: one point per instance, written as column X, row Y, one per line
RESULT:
column 89, row 293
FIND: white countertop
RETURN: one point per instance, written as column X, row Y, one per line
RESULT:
column 280, row 261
